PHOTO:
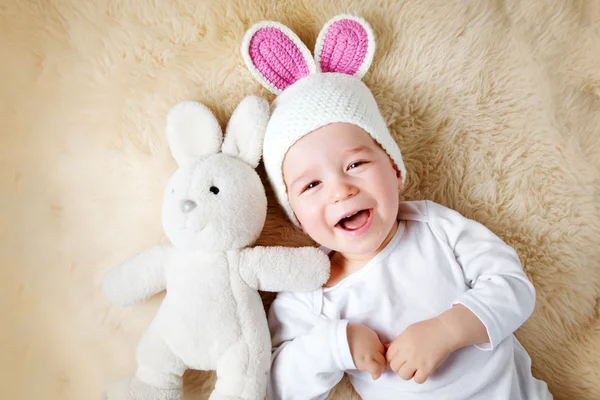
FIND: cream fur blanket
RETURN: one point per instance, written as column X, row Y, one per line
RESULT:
column 495, row 105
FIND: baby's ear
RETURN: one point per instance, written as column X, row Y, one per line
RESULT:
column 246, row 130
column 192, row 131
column 400, row 180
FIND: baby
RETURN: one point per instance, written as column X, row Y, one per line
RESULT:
column 422, row 302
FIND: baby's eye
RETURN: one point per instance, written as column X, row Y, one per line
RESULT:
column 356, row 164
column 310, row 186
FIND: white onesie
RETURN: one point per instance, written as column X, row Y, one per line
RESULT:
column 436, row 259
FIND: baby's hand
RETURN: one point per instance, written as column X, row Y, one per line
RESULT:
column 419, row 350
column 366, row 349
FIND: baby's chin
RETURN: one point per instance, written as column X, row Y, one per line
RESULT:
column 360, row 247
column 358, row 252
column 365, row 245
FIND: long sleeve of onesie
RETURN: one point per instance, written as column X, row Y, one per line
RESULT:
column 311, row 352
column 501, row 296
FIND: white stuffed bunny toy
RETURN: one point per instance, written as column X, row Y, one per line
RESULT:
column 212, row 317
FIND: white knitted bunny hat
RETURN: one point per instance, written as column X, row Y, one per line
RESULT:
column 315, row 92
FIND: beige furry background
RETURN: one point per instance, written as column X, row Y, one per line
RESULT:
column 495, row 105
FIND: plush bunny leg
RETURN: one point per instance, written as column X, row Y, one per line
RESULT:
column 157, row 365
column 159, row 374
column 134, row 389
column 240, row 376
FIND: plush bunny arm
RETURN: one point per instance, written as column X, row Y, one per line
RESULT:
column 276, row 269
column 137, row 279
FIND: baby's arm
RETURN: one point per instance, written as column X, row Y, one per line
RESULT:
column 501, row 296
column 276, row 269
column 137, row 279
column 310, row 353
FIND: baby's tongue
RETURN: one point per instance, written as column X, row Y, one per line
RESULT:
column 356, row 221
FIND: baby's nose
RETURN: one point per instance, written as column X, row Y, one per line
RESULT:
column 343, row 191
column 187, row 205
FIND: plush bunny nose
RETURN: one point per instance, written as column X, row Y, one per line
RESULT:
column 187, row 205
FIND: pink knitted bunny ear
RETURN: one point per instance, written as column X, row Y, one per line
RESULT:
column 276, row 56
column 346, row 44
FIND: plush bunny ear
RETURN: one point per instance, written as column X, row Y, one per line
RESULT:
column 192, row 132
column 246, row 130
column 276, row 56
column 346, row 44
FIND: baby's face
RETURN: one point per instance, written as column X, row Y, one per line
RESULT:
column 343, row 188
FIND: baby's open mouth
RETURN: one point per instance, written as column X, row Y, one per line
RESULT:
column 354, row 221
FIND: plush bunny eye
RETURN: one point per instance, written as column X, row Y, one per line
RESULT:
column 214, row 190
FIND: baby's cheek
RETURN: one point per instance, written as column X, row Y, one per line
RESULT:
column 307, row 217
column 311, row 222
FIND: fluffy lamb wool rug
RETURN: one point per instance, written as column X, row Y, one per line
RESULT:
column 495, row 105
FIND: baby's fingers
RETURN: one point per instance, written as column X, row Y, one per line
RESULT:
column 406, row 371
column 396, row 363
column 380, row 359
column 421, row 376
column 390, row 351
column 375, row 367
